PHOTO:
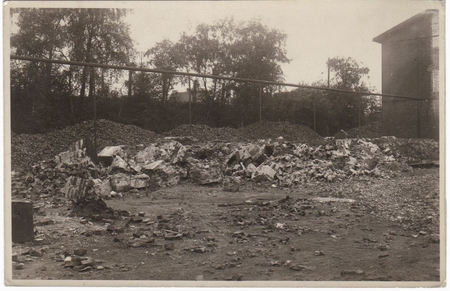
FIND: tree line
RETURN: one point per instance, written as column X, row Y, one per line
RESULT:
column 46, row 96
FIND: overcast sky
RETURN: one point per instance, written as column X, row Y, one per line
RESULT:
column 316, row 30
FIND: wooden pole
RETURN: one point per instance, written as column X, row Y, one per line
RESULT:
column 359, row 111
column 314, row 111
column 130, row 80
column 95, row 110
column 260, row 102
column 419, row 133
column 190, row 112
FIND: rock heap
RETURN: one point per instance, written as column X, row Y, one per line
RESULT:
column 79, row 174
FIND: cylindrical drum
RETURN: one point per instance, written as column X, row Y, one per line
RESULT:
column 22, row 221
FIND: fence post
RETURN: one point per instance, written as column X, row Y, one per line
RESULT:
column 419, row 133
column 260, row 102
column 359, row 111
column 130, row 80
column 190, row 112
column 95, row 109
column 314, row 112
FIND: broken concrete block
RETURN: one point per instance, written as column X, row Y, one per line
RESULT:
column 75, row 188
column 119, row 165
column 231, row 184
column 87, row 262
column 203, row 175
column 72, row 157
column 152, row 166
column 102, row 188
column 172, row 152
column 106, row 156
column 140, row 181
column 162, row 174
column 243, row 155
column 133, row 166
column 254, row 151
column 250, row 170
column 120, row 182
column 238, row 157
column 147, row 155
column 263, row 173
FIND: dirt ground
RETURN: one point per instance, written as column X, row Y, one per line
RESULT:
column 364, row 229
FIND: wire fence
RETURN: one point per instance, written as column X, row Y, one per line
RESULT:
column 260, row 84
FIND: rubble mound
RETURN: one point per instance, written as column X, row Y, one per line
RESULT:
column 370, row 130
column 270, row 129
column 255, row 131
column 27, row 149
column 204, row 132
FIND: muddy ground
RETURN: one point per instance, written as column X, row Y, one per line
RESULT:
column 363, row 229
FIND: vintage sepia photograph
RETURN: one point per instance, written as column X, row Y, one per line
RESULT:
column 224, row 143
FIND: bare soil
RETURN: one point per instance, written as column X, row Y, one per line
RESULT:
column 353, row 230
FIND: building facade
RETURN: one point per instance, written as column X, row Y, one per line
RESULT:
column 410, row 67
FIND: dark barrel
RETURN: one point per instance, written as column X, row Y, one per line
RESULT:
column 22, row 221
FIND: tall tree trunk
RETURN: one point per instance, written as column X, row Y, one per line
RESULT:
column 82, row 93
column 84, row 74
column 91, row 89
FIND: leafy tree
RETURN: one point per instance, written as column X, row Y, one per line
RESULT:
column 40, row 34
column 244, row 49
column 347, row 109
column 166, row 55
column 87, row 35
column 333, row 110
column 99, row 36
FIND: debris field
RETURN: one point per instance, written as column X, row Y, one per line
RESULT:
column 148, row 206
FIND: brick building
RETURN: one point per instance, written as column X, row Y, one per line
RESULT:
column 410, row 67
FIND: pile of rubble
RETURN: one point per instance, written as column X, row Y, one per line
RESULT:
column 370, row 130
column 252, row 132
column 204, row 132
column 293, row 164
column 46, row 146
column 288, row 131
column 81, row 175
